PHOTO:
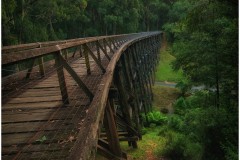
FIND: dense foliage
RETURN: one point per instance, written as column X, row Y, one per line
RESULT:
column 25, row 21
column 204, row 36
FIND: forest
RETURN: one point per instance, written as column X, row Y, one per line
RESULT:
column 202, row 36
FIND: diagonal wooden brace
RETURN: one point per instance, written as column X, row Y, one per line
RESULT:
column 76, row 77
column 104, row 51
column 113, row 42
column 30, row 69
column 109, row 46
column 94, row 57
column 61, row 78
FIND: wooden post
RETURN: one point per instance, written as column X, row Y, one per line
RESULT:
column 61, row 78
column 66, row 54
column 41, row 66
column 85, row 52
column 80, row 51
column 109, row 46
column 98, row 51
column 30, row 69
column 86, row 48
column 113, row 43
column 103, row 49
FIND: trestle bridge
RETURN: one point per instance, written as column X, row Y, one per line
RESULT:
column 70, row 99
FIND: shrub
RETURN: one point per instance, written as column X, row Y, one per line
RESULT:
column 184, row 87
column 193, row 151
column 155, row 117
column 175, row 122
column 175, row 146
column 143, row 131
column 152, row 125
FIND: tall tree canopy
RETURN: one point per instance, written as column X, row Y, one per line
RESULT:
column 64, row 19
column 204, row 36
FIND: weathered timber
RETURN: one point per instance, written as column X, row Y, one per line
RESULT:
column 111, row 131
column 41, row 66
column 94, row 57
column 30, row 69
column 124, row 101
column 61, row 78
column 80, row 121
column 76, row 77
column 104, row 50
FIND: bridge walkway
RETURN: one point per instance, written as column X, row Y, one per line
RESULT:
column 36, row 114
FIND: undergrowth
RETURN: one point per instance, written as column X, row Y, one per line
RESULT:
column 164, row 68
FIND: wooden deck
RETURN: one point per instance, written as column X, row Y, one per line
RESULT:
column 35, row 122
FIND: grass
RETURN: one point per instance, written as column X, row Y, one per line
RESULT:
column 164, row 68
column 164, row 96
column 148, row 147
column 151, row 145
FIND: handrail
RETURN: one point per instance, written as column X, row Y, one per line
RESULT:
column 13, row 54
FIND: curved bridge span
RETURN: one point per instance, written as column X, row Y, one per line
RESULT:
column 70, row 99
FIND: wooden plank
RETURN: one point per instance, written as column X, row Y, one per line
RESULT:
column 22, row 127
column 44, row 115
column 34, row 99
column 15, row 139
column 42, row 93
column 57, row 155
column 23, row 106
column 53, row 147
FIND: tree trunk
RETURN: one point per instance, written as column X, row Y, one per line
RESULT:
column 217, row 83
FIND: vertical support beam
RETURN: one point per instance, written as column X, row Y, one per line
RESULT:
column 109, row 46
column 127, row 63
column 139, row 71
column 98, row 51
column 65, row 52
column 94, row 58
column 80, row 51
column 103, row 49
column 113, row 42
column 61, row 78
column 85, row 52
column 41, row 66
column 77, row 48
column 111, row 131
column 124, row 102
column 126, row 71
column 30, row 69
column 104, row 45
